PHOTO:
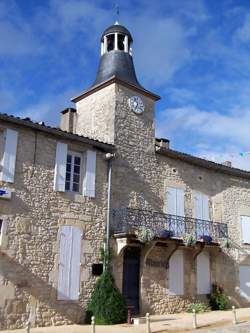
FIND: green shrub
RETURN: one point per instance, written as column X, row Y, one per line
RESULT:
column 199, row 307
column 217, row 299
column 107, row 304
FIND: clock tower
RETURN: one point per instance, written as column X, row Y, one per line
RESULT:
column 116, row 98
column 116, row 109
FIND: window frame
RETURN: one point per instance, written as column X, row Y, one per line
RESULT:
column 74, row 154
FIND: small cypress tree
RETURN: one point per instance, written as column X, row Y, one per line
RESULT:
column 107, row 303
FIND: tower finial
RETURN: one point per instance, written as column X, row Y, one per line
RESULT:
column 117, row 11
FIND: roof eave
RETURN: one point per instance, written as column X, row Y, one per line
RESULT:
column 111, row 80
column 58, row 132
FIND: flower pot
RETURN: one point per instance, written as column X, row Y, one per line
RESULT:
column 165, row 234
column 207, row 238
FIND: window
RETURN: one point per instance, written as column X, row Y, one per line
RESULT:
column 73, row 172
column 245, row 229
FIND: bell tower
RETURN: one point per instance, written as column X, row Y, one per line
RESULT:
column 105, row 108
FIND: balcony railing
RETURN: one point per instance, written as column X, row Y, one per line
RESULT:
column 129, row 221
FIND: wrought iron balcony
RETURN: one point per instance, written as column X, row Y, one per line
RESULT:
column 129, row 221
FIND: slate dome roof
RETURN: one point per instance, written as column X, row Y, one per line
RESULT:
column 117, row 28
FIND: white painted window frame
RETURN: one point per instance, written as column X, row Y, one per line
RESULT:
column 82, row 170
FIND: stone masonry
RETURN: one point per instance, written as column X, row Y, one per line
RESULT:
column 141, row 174
column 29, row 259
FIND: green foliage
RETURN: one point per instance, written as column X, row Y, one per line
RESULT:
column 189, row 240
column 217, row 299
column 225, row 243
column 106, row 256
column 145, row 235
column 199, row 307
column 107, row 304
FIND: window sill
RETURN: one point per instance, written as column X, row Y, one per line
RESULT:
column 67, row 301
column 73, row 196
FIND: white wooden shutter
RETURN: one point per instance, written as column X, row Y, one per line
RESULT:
column 69, row 263
column 176, row 273
column 244, row 277
column 205, row 207
column 198, row 206
column 75, row 264
column 245, row 229
column 60, row 166
column 64, row 263
column 203, row 273
column 171, row 200
column 180, row 202
column 175, row 200
column 202, row 213
column 9, row 156
column 89, row 181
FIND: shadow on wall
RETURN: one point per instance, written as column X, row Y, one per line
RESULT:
column 17, row 311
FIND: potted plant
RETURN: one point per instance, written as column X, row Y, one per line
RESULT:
column 165, row 234
column 145, row 235
column 189, row 240
column 206, row 238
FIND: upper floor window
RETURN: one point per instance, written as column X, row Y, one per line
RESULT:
column 73, row 172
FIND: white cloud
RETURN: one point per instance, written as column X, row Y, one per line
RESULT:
column 232, row 126
column 48, row 108
column 243, row 33
column 161, row 48
column 212, row 135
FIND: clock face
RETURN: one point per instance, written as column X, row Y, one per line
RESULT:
column 136, row 104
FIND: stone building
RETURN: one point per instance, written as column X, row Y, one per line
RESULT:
column 177, row 223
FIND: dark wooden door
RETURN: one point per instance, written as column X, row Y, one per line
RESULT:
column 131, row 277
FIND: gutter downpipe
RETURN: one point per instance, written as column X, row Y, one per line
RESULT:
column 109, row 158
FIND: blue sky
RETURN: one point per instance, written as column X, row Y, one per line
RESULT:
column 194, row 54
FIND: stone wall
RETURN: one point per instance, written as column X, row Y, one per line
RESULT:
column 29, row 257
column 140, row 180
column 95, row 115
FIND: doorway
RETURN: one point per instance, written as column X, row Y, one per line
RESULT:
column 131, row 277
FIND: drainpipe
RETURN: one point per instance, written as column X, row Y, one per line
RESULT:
column 108, row 158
